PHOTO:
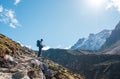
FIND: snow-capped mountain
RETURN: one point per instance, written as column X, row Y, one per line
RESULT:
column 93, row 42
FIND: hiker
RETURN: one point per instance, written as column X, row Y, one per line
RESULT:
column 40, row 46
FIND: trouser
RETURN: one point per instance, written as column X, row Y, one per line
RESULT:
column 39, row 52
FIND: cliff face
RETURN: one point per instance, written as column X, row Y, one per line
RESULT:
column 114, row 37
column 17, row 62
column 112, row 44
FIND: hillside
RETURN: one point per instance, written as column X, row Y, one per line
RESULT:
column 18, row 62
column 92, row 66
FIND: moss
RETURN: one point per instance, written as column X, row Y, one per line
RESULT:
column 4, row 49
column 7, row 45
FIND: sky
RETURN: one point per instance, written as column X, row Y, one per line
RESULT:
column 60, row 23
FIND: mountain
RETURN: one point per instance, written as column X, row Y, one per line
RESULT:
column 112, row 44
column 93, row 42
column 114, row 37
column 17, row 62
column 91, row 66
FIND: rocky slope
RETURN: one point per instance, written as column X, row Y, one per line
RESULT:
column 93, row 42
column 18, row 62
column 92, row 66
column 112, row 44
column 114, row 37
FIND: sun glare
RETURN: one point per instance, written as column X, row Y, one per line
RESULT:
column 96, row 4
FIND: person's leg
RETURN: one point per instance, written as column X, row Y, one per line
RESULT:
column 39, row 53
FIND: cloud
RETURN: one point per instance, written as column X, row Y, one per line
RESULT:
column 13, row 22
column 46, row 48
column 68, row 47
column 20, row 43
column 8, row 16
column 1, row 9
column 16, row 2
column 114, row 3
column 59, row 46
column 28, row 46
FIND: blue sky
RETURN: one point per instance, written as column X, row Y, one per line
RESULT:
column 59, row 22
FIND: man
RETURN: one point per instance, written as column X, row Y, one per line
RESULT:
column 40, row 45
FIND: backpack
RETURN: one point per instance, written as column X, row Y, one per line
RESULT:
column 38, row 43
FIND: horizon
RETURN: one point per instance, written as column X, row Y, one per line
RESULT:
column 59, row 23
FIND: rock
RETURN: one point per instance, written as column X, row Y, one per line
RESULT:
column 9, row 58
column 25, row 77
column 10, row 61
column 34, row 74
column 5, row 75
column 18, row 75
column 13, row 70
column 31, row 74
column 49, row 74
column 35, row 62
column 20, row 67
column 44, row 67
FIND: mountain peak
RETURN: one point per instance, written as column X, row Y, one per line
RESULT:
column 93, row 42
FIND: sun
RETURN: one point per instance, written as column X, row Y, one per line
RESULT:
column 96, row 4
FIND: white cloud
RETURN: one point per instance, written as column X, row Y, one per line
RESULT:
column 20, row 43
column 68, row 47
column 114, row 3
column 59, row 46
column 28, row 46
column 8, row 16
column 11, row 25
column 1, row 9
column 16, row 2
column 13, row 21
column 46, row 48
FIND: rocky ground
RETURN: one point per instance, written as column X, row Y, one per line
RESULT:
column 26, row 66
column 30, row 67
